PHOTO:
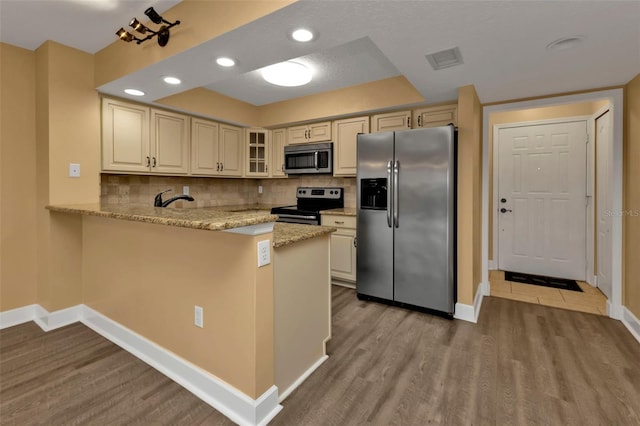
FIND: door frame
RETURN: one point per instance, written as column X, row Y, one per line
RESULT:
column 615, row 98
column 589, row 208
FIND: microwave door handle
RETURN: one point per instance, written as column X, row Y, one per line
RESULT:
column 396, row 207
column 389, row 192
column 315, row 160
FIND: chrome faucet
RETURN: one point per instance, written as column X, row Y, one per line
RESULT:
column 157, row 202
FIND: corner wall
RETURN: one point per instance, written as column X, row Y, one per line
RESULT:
column 67, row 131
column 469, row 194
column 18, row 262
column 631, row 198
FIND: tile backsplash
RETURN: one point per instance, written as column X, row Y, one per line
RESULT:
column 209, row 192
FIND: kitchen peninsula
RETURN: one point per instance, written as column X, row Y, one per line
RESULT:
column 263, row 329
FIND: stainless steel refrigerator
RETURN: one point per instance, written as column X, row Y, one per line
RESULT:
column 406, row 218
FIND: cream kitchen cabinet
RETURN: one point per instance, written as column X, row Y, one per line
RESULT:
column 343, row 248
column 435, row 116
column 399, row 120
column 345, row 133
column 125, row 137
column 278, row 142
column 216, row 149
column 314, row 132
column 169, row 143
column 139, row 139
column 257, row 152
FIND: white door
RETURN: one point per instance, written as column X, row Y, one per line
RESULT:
column 604, row 179
column 542, row 199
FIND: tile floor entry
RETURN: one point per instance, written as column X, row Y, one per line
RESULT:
column 591, row 300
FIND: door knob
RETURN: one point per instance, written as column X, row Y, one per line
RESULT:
column 503, row 200
column 503, row 210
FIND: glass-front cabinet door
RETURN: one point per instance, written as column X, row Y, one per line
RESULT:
column 257, row 152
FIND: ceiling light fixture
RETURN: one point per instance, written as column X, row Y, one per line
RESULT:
column 134, row 92
column 302, row 35
column 172, row 80
column 162, row 33
column 225, row 62
column 287, row 74
column 565, row 43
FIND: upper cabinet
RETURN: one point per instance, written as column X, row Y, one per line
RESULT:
column 278, row 142
column 125, row 137
column 216, row 149
column 257, row 152
column 345, row 133
column 169, row 143
column 308, row 133
column 144, row 140
column 436, row 116
column 399, row 120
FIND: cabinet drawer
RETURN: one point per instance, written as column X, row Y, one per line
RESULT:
column 339, row 221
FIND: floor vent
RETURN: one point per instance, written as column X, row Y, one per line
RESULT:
column 445, row 58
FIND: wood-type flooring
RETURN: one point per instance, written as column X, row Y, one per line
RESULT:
column 522, row 364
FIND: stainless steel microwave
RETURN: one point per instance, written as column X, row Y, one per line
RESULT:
column 308, row 158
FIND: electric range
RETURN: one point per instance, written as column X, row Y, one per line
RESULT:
column 310, row 202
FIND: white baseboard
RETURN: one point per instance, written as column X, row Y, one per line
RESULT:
column 51, row 320
column 234, row 404
column 631, row 322
column 468, row 312
column 335, row 281
column 302, row 378
column 17, row 316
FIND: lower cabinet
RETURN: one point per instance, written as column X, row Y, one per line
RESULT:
column 343, row 248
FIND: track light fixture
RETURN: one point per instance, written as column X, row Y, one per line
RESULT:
column 162, row 33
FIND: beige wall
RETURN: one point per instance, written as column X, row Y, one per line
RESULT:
column 149, row 277
column 200, row 21
column 469, row 194
column 388, row 93
column 531, row 114
column 210, row 104
column 67, row 131
column 17, row 177
column 631, row 203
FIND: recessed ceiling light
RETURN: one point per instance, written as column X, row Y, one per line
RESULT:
column 225, row 62
column 302, row 35
column 287, row 74
column 172, row 80
column 134, row 92
column 565, row 43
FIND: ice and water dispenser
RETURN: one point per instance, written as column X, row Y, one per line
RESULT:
column 373, row 194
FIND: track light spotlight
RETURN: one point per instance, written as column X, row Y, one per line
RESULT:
column 154, row 16
column 125, row 35
column 138, row 26
column 162, row 33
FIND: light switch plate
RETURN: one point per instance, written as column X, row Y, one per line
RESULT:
column 74, row 170
column 264, row 252
column 185, row 190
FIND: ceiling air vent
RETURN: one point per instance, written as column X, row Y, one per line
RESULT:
column 445, row 58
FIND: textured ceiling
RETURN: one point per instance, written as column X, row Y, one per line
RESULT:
column 502, row 44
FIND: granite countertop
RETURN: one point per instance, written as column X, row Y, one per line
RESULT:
column 211, row 219
column 289, row 233
column 207, row 218
column 347, row 211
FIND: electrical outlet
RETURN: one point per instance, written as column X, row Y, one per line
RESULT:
column 264, row 252
column 198, row 316
column 74, row 170
column 185, row 190
column 259, row 189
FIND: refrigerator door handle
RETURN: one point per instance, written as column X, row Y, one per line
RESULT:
column 389, row 192
column 396, row 207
